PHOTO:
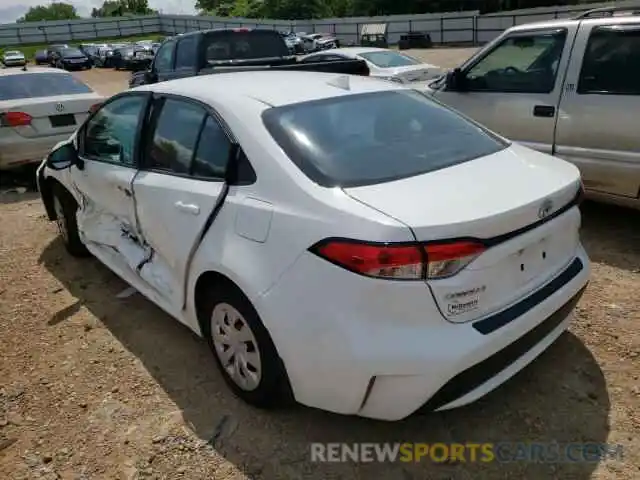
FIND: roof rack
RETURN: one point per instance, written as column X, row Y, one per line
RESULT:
column 608, row 12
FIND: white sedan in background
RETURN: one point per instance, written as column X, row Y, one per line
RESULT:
column 13, row 58
column 383, row 63
column 39, row 107
column 345, row 241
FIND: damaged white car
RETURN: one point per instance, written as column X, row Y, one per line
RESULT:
column 346, row 242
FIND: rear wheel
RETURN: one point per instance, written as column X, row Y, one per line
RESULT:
column 243, row 349
column 66, row 207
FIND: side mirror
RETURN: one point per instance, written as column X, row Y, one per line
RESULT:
column 455, row 80
column 63, row 157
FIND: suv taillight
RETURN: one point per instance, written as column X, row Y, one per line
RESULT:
column 15, row 119
column 402, row 261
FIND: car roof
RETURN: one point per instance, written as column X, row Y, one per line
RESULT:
column 266, row 87
column 564, row 22
column 19, row 71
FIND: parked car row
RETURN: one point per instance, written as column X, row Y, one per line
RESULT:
column 121, row 56
column 301, row 43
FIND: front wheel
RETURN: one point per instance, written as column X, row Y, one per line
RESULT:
column 243, row 349
column 66, row 207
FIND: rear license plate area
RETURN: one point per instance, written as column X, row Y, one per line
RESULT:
column 66, row 120
column 532, row 260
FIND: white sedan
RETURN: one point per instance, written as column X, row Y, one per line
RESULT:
column 39, row 107
column 13, row 58
column 383, row 63
column 346, row 242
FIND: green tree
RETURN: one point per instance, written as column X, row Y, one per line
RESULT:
column 53, row 11
column 119, row 8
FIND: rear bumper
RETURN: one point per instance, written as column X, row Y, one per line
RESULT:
column 27, row 150
column 76, row 66
column 383, row 351
column 15, row 63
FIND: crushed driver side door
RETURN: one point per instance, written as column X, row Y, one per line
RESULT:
column 108, row 153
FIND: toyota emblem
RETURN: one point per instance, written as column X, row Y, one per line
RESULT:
column 545, row 209
column 59, row 107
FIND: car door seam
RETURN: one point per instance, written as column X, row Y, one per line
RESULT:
column 562, row 94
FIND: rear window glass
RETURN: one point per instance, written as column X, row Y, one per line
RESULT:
column 371, row 138
column 389, row 59
column 229, row 45
column 71, row 51
column 33, row 85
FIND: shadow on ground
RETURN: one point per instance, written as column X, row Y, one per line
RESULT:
column 611, row 235
column 562, row 397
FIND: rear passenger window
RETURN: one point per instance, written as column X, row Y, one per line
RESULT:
column 611, row 63
column 186, row 52
column 175, row 136
column 213, row 151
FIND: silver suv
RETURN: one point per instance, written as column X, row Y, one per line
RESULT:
column 567, row 87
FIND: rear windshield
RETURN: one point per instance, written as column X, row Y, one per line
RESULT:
column 370, row 138
column 244, row 45
column 31, row 85
column 389, row 59
column 72, row 51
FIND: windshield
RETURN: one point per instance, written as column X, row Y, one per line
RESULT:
column 377, row 137
column 32, row 85
column 71, row 51
column 13, row 53
column 389, row 59
column 243, row 45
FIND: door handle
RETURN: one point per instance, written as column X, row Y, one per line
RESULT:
column 547, row 111
column 187, row 207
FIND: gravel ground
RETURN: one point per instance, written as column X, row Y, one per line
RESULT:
column 97, row 387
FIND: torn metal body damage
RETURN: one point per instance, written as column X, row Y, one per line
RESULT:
column 117, row 238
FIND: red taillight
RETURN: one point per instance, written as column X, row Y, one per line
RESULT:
column 447, row 259
column 94, row 108
column 383, row 260
column 400, row 261
column 15, row 119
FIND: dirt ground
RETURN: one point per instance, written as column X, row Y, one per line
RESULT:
column 93, row 386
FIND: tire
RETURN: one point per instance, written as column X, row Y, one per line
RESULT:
column 66, row 207
column 271, row 389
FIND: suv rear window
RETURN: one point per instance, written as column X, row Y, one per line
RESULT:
column 34, row 85
column 244, row 45
column 370, row 138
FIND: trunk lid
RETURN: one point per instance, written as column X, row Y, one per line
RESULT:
column 51, row 115
column 515, row 200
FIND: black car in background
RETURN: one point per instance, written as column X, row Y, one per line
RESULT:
column 71, row 59
column 41, row 57
column 132, row 57
column 53, row 50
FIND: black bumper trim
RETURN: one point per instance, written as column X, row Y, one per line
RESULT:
column 494, row 322
column 473, row 377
